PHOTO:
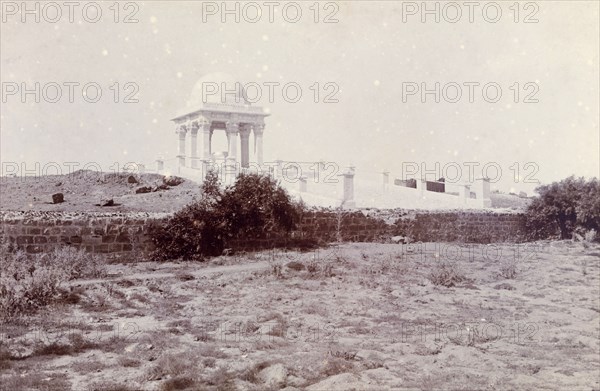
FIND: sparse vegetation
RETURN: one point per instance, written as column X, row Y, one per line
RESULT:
column 508, row 269
column 446, row 274
column 31, row 281
column 247, row 330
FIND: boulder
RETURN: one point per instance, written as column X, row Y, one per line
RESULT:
column 295, row 381
column 143, row 189
column 399, row 239
column 274, row 376
column 340, row 382
column 131, row 179
column 172, row 180
column 58, row 198
column 162, row 186
column 107, row 202
column 295, row 266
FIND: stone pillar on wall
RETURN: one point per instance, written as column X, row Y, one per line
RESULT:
column 464, row 192
column 319, row 172
column 483, row 193
column 422, row 186
column 348, row 197
column 386, row 180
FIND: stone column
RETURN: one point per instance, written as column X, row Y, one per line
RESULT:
column 483, row 195
column 204, row 128
column 348, row 197
column 233, row 131
column 386, row 180
column 422, row 186
column 464, row 192
column 181, row 131
column 258, row 142
column 160, row 165
column 193, row 128
column 209, row 142
column 245, row 146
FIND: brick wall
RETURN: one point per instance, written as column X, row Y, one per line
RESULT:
column 126, row 233
column 424, row 226
column 114, row 233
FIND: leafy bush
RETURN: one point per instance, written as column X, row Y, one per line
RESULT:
column 563, row 208
column 28, row 282
column 254, row 207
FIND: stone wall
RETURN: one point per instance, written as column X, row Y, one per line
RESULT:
column 114, row 233
column 122, row 234
column 423, row 226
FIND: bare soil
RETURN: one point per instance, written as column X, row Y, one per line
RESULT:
column 85, row 190
column 355, row 316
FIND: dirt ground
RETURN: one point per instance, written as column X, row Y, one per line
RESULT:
column 84, row 190
column 356, row 316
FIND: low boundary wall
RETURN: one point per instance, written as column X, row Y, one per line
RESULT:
column 128, row 233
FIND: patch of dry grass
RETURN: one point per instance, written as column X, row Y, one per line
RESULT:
column 446, row 274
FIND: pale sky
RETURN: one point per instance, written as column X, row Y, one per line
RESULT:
column 369, row 53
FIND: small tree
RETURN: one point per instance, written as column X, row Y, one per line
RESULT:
column 563, row 206
column 256, row 205
column 253, row 207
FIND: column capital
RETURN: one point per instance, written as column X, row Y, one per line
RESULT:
column 200, row 121
column 192, row 126
column 258, row 128
column 232, row 126
column 181, row 128
column 245, row 130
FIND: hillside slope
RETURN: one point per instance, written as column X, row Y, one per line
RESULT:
column 85, row 191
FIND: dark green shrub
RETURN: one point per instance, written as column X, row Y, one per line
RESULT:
column 562, row 207
column 254, row 207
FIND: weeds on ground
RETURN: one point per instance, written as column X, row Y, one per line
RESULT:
column 586, row 237
column 320, row 269
column 31, row 281
column 446, row 274
column 36, row 381
column 508, row 269
column 276, row 270
column 251, row 374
